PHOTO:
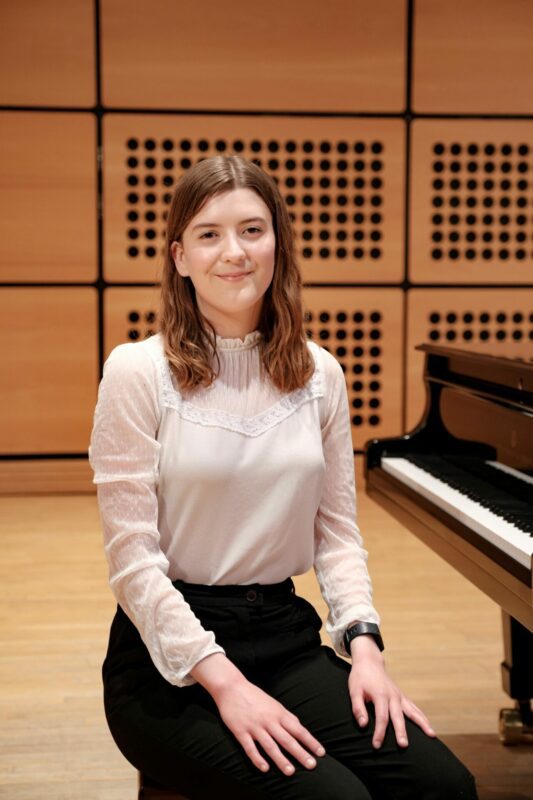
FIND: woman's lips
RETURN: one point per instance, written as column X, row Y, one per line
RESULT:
column 237, row 277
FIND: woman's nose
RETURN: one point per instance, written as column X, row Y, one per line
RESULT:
column 233, row 250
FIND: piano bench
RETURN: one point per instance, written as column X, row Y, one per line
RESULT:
column 150, row 790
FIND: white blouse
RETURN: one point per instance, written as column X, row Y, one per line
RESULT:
column 233, row 484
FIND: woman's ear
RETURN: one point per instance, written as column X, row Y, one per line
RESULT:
column 176, row 250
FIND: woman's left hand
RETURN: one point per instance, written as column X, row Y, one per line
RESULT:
column 369, row 681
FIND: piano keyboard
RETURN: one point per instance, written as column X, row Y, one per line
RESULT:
column 502, row 517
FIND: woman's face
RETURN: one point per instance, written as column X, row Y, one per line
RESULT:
column 228, row 252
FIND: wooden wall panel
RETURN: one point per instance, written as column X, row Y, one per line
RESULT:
column 49, row 338
column 343, row 180
column 498, row 322
column 46, row 476
column 345, row 55
column 47, row 53
column 317, row 95
column 473, row 56
column 471, row 201
column 48, row 206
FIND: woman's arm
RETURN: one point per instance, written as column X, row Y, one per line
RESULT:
column 124, row 454
column 340, row 560
column 341, row 568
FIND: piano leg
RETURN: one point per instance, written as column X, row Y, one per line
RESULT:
column 516, row 724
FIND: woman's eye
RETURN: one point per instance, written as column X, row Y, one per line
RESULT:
column 210, row 234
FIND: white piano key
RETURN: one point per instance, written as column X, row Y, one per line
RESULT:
column 504, row 535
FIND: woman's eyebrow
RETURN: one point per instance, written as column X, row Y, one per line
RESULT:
column 217, row 225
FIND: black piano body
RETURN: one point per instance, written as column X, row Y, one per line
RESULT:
column 462, row 481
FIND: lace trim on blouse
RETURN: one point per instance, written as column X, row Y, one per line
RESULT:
column 249, row 341
column 249, row 426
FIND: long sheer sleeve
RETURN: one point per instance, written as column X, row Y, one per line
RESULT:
column 124, row 455
column 340, row 559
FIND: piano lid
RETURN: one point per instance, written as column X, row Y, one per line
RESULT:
column 495, row 377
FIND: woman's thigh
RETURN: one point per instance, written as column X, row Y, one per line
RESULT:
column 314, row 686
column 177, row 737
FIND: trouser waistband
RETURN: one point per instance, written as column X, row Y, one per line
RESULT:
column 248, row 592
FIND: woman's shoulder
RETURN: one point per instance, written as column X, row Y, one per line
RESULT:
column 325, row 362
column 139, row 350
column 141, row 357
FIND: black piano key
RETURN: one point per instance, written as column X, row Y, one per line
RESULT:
column 514, row 510
column 497, row 477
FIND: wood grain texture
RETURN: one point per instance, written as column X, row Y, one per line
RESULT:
column 47, row 53
column 478, row 53
column 46, row 476
column 48, row 197
column 345, row 55
column 49, row 335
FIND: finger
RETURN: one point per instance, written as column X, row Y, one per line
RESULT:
column 359, row 709
column 293, row 746
column 299, row 731
column 253, row 753
column 418, row 716
column 271, row 748
column 382, row 717
column 398, row 722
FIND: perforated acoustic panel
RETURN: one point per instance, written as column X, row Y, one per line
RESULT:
column 130, row 315
column 471, row 201
column 50, row 364
column 498, row 322
column 362, row 328
column 341, row 179
column 48, row 201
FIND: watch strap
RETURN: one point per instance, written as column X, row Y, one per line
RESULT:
column 362, row 629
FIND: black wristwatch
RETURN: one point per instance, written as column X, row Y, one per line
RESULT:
column 362, row 628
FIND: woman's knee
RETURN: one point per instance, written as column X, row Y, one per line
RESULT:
column 329, row 780
column 442, row 776
column 457, row 783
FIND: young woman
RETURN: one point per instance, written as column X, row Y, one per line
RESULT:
column 223, row 460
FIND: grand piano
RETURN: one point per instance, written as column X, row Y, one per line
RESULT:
column 462, row 481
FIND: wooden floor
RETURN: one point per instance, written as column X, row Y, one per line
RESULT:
column 443, row 648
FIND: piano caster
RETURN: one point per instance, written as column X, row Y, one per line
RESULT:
column 516, row 724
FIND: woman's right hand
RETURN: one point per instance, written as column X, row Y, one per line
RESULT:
column 253, row 716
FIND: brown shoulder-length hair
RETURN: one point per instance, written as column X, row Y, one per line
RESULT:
column 189, row 338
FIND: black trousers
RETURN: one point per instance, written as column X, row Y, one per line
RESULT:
column 176, row 736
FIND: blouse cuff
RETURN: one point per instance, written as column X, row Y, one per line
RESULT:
column 184, row 678
column 336, row 632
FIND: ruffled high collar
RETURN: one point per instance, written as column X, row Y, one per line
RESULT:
column 250, row 340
